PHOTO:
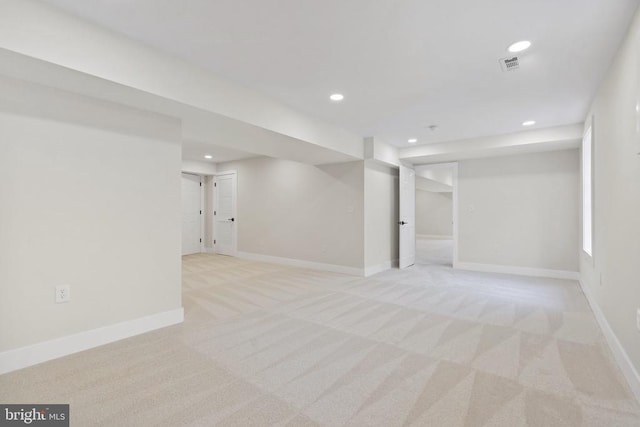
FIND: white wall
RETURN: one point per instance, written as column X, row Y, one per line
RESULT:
column 426, row 184
column 303, row 212
column 442, row 173
column 520, row 211
column 434, row 213
column 90, row 202
column 531, row 141
column 198, row 168
column 380, row 216
column 381, row 152
column 612, row 279
column 342, row 214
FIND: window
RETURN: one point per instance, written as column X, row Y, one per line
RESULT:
column 587, row 205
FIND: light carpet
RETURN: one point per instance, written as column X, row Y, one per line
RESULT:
column 268, row 345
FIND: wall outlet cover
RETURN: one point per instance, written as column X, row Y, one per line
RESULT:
column 63, row 293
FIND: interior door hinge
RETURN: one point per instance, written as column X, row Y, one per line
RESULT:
column 215, row 184
column 214, row 242
column 200, row 184
column 214, row 212
column 200, row 240
column 200, row 212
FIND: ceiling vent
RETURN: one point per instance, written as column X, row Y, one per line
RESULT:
column 509, row 64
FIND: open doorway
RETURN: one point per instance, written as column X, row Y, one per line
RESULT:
column 436, row 205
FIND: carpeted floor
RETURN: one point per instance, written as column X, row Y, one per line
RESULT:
column 427, row 346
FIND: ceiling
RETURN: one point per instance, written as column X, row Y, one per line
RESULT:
column 402, row 65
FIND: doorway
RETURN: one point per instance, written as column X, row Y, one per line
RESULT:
column 436, row 212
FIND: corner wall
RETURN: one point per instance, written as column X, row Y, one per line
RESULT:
column 381, row 193
column 92, row 200
column 301, row 212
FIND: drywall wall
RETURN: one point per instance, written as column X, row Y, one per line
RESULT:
column 441, row 173
column 380, row 151
column 434, row 213
column 380, row 215
column 88, row 201
column 198, row 168
column 611, row 278
column 426, row 184
column 532, row 141
column 297, row 211
column 520, row 211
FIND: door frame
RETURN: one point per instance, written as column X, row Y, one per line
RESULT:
column 454, row 196
column 234, row 230
column 202, row 245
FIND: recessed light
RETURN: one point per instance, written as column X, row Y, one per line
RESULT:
column 412, row 141
column 519, row 46
column 529, row 123
column 208, row 156
column 337, row 97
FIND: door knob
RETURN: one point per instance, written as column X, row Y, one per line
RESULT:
column 402, row 222
column 232, row 219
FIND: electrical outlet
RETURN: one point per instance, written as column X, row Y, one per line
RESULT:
column 63, row 293
column 638, row 319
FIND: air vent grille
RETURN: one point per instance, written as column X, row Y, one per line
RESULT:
column 509, row 64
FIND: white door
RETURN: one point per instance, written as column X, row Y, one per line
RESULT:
column 407, row 222
column 191, row 214
column 225, row 214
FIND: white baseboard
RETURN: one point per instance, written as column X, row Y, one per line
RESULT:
column 301, row 263
column 12, row 360
column 375, row 269
column 434, row 236
column 619, row 353
column 520, row 271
